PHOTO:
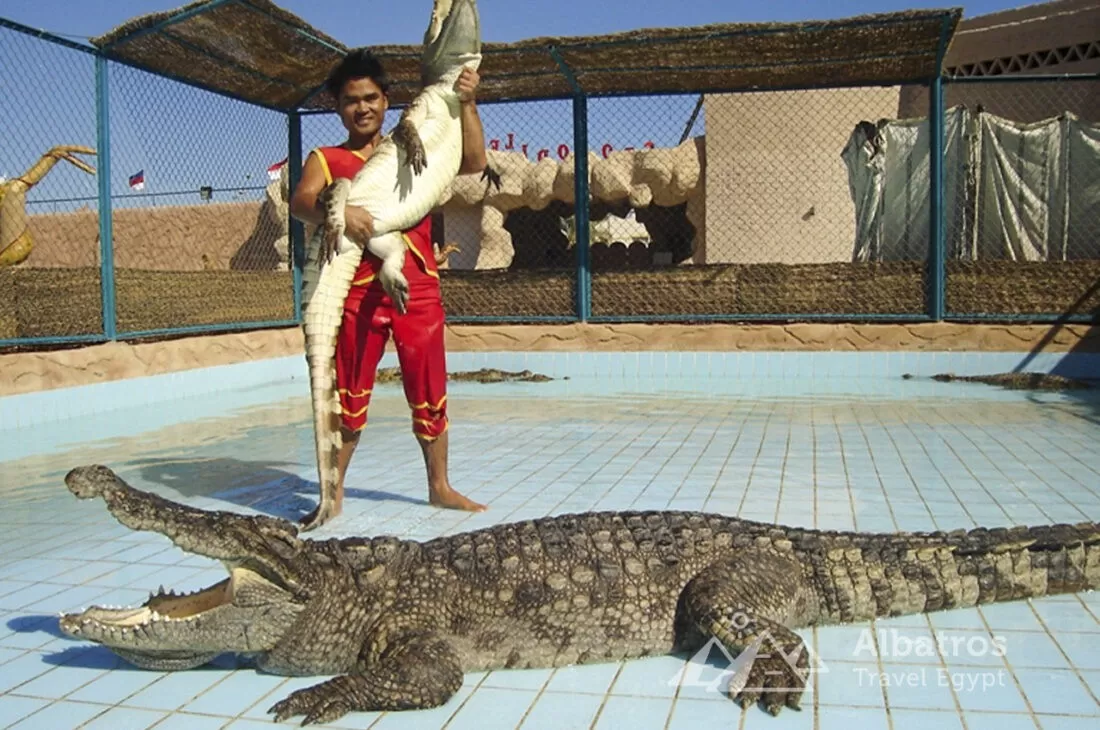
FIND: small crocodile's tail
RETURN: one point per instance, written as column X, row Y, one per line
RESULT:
column 323, row 292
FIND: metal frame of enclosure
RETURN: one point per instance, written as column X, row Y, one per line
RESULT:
column 184, row 46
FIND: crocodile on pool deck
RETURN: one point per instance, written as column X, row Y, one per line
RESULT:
column 401, row 621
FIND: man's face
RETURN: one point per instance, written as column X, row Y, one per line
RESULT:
column 362, row 107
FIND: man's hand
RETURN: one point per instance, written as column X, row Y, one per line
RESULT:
column 360, row 225
column 466, row 85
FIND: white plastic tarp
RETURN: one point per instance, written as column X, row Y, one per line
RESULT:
column 889, row 180
column 1012, row 190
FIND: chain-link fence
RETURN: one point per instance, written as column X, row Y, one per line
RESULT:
column 1026, row 238
column 134, row 205
column 515, row 254
column 50, row 285
column 765, row 204
column 201, row 229
column 745, row 205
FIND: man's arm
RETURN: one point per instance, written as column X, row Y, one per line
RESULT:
column 303, row 201
column 303, row 204
column 473, row 136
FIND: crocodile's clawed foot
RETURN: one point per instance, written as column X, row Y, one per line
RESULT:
column 417, row 157
column 407, row 138
column 400, row 296
column 442, row 254
column 395, row 285
column 333, row 200
column 775, row 680
column 321, row 703
column 492, row 176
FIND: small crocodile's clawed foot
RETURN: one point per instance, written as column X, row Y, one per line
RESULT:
column 401, row 299
column 443, row 253
column 418, row 158
column 321, row 514
column 407, row 138
column 397, row 287
column 492, row 176
column 333, row 199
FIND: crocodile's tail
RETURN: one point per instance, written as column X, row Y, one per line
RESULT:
column 1005, row 564
column 324, row 290
column 923, row 572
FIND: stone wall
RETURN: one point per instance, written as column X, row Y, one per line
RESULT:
column 33, row 371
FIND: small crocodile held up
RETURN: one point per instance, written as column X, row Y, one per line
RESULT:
column 399, row 622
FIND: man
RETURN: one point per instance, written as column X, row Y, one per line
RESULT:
column 359, row 85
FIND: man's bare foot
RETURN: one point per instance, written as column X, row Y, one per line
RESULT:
column 448, row 498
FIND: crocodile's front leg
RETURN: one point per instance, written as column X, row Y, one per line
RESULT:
column 214, row 534
column 406, row 137
column 333, row 199
column 416, row 671
column 747, row 604
column 390, row 248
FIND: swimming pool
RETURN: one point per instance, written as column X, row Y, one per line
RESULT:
column 830, row 440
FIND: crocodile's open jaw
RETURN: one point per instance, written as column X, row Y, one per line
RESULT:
column 180, row 631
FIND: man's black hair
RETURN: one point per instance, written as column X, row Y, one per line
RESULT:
column 359, row 63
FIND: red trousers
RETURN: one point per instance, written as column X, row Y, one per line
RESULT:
column 369, row 319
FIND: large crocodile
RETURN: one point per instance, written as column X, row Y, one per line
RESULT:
column 400, row 621
column 399, row 184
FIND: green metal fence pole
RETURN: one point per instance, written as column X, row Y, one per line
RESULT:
column 937, row 232
column 580, row 195
column 580, row 188
column 103, row 181
column 936, row 258
column 297, row 230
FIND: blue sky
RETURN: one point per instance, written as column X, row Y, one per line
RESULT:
column 183, row 138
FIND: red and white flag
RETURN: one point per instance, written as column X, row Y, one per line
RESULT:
column 276, row 170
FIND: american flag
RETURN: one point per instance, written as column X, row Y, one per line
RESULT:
column 137, row 180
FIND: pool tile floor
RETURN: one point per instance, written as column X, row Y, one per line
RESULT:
column 944, row 457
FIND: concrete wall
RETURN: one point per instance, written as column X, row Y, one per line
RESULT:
column 462, row 227
column 1015, row 35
